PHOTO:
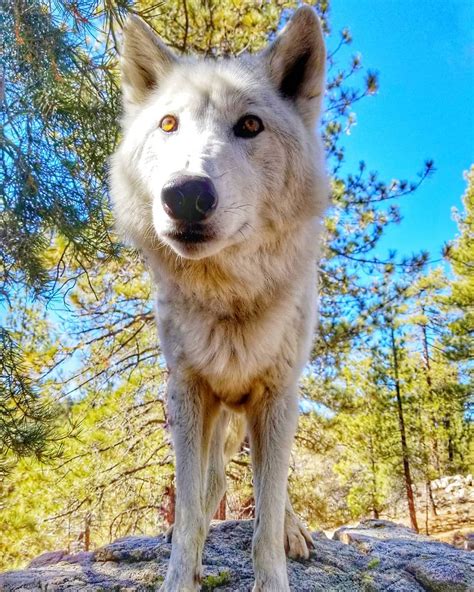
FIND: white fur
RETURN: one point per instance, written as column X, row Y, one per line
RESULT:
column 235, row 313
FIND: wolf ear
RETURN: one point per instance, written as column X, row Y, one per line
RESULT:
column 144, row 60
column 296, row 62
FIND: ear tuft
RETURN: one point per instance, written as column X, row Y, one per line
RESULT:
column 293, row 78
column 144, row 61
column 296, row 62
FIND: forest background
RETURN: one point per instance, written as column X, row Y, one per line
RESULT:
column 85, row 454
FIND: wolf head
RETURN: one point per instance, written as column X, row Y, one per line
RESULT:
column 218, row 153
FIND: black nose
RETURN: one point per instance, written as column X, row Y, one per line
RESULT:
column 188, row 198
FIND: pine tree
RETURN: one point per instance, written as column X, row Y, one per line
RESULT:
column 26, row 419
column 460, row 255
column 61, row 86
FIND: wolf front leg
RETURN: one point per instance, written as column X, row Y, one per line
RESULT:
column 192, row 412
column 215, row 475
column 228, row 434
column 272, row 423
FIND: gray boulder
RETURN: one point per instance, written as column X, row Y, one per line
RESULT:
column 376, row 556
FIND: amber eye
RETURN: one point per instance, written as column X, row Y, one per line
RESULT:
column 248, row 126
column 169, row 124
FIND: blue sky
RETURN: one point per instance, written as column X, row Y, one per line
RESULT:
column 424, row 53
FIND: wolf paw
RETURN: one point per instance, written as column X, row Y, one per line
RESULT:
column 179, row 588
column 271, row 586
column 183, row 582
column 298, row 541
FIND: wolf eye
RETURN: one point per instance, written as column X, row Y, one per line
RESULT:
column 248, row 126
column 169, row 124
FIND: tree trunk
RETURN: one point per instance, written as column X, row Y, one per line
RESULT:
column 87, row 533
column 427, row 514
column 426, row 356
column 431, row 498
column 375, row 510
column 403, row 438
column 169, row 504
column 447, row 423
column 221, row 510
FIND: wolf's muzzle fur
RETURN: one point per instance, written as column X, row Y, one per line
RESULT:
column 232, row 244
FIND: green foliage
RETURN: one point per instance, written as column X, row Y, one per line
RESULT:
column 460, row 254
column 25, row 417
column 210, row 583
column 52, row 167
column 80, row 365
column 109, row 482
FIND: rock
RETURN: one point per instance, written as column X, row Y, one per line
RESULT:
column 443, row 482
column 48, row 558
column 441, row 575
column 376, row 556
column 469, row 541
column 57, row 556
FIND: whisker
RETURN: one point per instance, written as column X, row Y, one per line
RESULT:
column 238, row 206
column 225, row 173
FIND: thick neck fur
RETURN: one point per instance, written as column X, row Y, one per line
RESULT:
column 241, row 280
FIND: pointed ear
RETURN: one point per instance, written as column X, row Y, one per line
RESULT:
column 144, row 61
column 296, row 63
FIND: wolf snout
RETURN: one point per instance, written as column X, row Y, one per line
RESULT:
column 189, row 198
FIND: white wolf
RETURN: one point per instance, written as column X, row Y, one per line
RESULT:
column 220, row 182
